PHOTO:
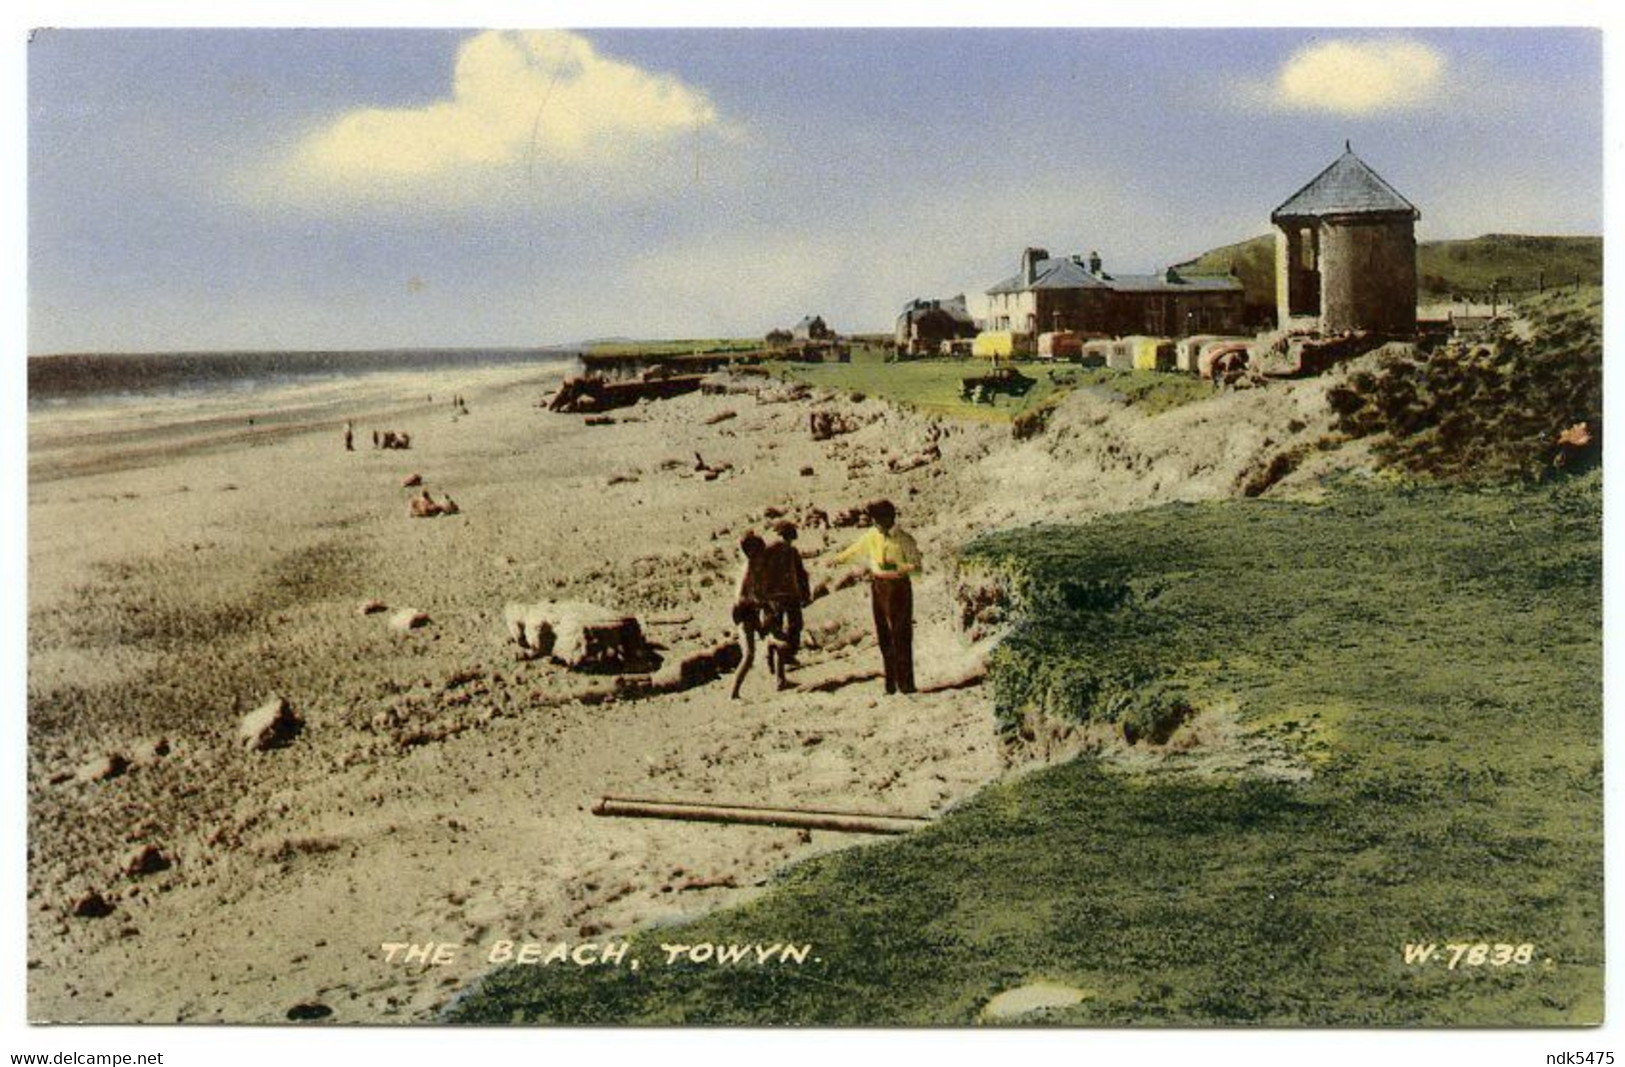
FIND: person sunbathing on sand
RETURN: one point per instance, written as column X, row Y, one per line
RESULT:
column 424, row 506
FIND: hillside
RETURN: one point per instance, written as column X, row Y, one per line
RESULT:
column 1515, row 262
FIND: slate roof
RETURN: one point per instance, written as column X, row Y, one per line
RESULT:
column 1157, row 283
column 1347, row 187
column 1062, row 273
column 954, row 307
column 1056, row 272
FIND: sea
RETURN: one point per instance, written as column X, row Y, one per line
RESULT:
column 64, row 380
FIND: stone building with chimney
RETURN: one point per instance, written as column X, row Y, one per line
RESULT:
column 924, row 324
column 1077, row 294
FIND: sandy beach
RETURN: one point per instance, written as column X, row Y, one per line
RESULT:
column 186, row 566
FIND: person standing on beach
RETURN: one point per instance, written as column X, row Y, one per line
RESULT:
column 748, row 605
column 785, row 591
column 892, row 556
column 349, row 437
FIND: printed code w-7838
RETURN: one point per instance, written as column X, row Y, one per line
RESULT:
column 1468, row 954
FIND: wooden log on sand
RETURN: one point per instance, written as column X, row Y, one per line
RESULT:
column 850, row 822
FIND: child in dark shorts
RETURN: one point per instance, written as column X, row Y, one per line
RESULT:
column 753, row 616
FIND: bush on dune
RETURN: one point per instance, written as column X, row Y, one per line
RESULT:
column 1519, row 403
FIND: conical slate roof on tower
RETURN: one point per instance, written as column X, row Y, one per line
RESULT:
column 1347, row 187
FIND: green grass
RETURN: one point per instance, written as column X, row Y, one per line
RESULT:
column 1432, row 655
column 681, row 347
column 932, row 386
column 1510, row 261
column 1152, row 392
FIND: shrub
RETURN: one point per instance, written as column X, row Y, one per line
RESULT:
column 1491, row 409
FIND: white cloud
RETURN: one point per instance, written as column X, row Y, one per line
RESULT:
column 1360, row 77
column 529, row 112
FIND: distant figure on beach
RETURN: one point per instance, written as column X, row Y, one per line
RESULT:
column 749, row 605
column 891, row 556
column 424, row 506
column 349, row 437
column 785, row 590
column 375, row 438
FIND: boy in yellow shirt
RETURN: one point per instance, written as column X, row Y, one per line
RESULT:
column 892, row 556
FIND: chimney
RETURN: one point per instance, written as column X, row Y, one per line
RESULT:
column 1094, row 262
column 1030, row 259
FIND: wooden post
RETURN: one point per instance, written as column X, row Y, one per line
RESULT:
column 852, row 822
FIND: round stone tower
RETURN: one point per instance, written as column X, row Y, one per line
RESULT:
column 1346, row 253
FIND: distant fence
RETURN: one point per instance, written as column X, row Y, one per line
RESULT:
column 1500, row 292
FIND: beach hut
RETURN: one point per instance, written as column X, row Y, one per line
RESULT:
column 994, row 344
column 1120, row 354
column 1152, row 353
column 1060, row 344
column 1188, row 351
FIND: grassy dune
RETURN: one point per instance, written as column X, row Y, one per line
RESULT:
column 932, row 386
column 1432, row 658
column 1488, row 408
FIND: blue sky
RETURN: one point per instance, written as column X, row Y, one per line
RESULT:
column 372, row 188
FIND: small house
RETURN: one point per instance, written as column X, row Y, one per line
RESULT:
column 812, row 328
column 925, row 324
